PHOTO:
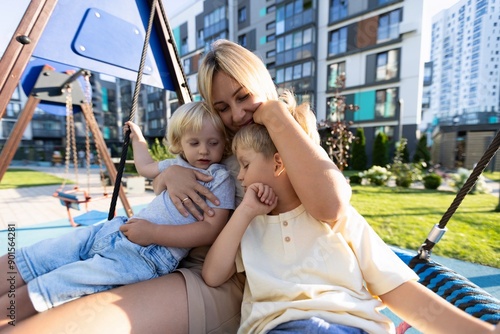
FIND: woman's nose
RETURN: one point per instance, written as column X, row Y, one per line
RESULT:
column 238, row 114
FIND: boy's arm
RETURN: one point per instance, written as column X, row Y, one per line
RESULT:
column 200, row 233
column 143, row 161
column 430, row 313
column 219, row 263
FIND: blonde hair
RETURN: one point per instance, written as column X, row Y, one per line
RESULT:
column 190, row 117
column 255, row 137
column 249, row 71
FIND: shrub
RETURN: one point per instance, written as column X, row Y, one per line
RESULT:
column 404, row 173
column 458, row 179
column 380, row 151
column 432, row 181
column 358, row 156
column 355, row 179
column 376, row 175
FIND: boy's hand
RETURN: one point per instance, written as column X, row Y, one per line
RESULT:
column 135, row 131
column 139, row 231
column 260, row 199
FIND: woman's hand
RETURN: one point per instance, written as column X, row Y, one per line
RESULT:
column 186, row 192
column 139, row 231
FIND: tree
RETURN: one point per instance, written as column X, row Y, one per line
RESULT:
column 359, row 158
column 380, row 152
column 422, row 153
column 335, row 135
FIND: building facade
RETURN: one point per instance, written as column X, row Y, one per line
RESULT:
column 464, row 110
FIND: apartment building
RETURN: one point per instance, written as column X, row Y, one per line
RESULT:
column 464, row 111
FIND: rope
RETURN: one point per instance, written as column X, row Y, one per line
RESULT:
column 135, row 99
column 427, row 246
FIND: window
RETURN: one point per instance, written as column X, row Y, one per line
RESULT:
column 386, row 103
column 270, row 9
column 271, row 25
column 388, row 26
column 270, row 54
column 270, row 38
column 334, row 70
column 187, row 65
column 184, row 46
column 242, row 14
column 338, row 9
column 387, row 65
column 337, row 41
column 242, row 40
column 13, row 109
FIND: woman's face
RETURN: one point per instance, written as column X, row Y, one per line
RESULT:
column 233, row 102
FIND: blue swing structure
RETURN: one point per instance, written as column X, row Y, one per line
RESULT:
column 99, row 36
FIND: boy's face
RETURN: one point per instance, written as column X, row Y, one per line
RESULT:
column 203, row 148
column 254, row 167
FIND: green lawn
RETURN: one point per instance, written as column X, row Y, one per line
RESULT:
column 404, row 218
column 16, row 178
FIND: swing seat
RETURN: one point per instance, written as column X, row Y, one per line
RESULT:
column 453, row 287
column 91, row 218
column 71, row 201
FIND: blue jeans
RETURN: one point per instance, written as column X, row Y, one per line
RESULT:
column 314, row 326
column 88, row 260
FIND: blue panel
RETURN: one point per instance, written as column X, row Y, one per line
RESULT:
column 101, row 31
column 366, row 103
column 112, row 50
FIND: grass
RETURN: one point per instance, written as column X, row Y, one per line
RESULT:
column 17, row 178
column 404, row 217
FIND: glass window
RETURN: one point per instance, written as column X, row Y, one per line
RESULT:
column 288, row 42
column 280, row 76
column 388, row 26
column 242, row 40
column 387, row 65
column 334, row 70
column 386, row 103
column 280, row 44
column 288, row 73
column 297, row 71
column 242, row 14
column 337, row 41
column 297, row 39
column 338, row 9
column 306, row 69
column 307, row 36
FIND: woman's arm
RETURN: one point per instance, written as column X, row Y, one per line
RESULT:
column 155, row 306
column 143, row 161
column 313, row 174
column 430, row 313
column 200, row 233
column 182, row 183
column 219, row 264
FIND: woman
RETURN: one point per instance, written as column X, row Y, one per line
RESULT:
column 235, row 83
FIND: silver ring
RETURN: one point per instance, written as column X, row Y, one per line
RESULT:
column 185, row 199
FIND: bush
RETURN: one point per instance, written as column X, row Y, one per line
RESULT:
column 376, row 175
column 355, row 179
column 459, row 178
column 380, row 151
column 432, row 181
column 358, row 156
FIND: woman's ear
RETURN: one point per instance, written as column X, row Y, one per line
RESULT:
column 279, row 167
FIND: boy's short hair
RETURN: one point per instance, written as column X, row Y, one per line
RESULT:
column 190, row 117
column 254, row 136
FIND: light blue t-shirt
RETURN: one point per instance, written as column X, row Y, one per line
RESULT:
column 162, row 211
